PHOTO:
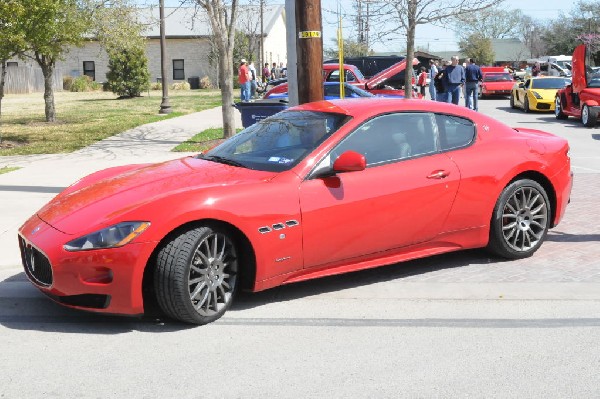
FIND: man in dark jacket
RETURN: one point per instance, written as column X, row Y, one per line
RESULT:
column 454, row 79
column 473, row 77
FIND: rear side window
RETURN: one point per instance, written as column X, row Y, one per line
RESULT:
column 454, row 132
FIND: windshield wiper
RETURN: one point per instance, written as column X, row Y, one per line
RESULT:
column 226, row 161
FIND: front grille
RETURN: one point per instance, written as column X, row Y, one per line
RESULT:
column 91, row 301
column 36, row 265
column 543, row 106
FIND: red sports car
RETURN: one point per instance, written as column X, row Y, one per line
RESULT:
column 319, row 189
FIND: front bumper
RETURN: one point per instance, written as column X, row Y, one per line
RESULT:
column 104, row 280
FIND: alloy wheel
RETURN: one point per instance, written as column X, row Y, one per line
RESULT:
column 524, row 219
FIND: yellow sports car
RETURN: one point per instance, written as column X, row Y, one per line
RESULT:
column 537, row 94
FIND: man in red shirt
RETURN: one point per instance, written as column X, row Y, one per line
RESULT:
column 244, row 79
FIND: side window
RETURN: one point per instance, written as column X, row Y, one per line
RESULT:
column 350, row 77
column 454, row 132
column 528, row 83
column 334, row 76
column 332, row 90
column 392, row 137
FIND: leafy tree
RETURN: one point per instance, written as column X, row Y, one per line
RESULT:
column 352, row 48
column 121, row 35
column 494, row 23
column 408, row 14
column 479, row 47
column 222, row 15
column 13, row 39
column 51, row 27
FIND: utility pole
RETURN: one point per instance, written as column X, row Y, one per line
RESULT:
column 261, row 44
column 309, row 44
column 165, row 107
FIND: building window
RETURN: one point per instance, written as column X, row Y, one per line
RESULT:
column 12, row 64
column 89, row 69
column 178, row 70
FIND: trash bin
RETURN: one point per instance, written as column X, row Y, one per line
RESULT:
column 254, row 111
column 194, row 82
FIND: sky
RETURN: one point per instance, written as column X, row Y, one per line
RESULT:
column 427, row 36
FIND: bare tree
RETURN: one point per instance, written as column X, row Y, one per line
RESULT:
column 222, row 15
column 408, row 14
column 493, row 23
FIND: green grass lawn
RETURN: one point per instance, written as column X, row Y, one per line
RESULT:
column 203, row 141
column 84, row 118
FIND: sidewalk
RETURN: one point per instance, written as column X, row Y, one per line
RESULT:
column 41, row 177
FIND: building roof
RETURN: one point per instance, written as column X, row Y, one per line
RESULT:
column 510, row 50
column 185, row 22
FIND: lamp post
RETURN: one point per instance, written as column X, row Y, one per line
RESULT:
column 165, row 107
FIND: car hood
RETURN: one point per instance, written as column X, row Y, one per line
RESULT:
column 103, row 200
column 387, row 73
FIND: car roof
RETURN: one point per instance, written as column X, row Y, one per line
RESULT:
column 380, row 105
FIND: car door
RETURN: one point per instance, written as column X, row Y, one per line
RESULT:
column 401, row 198
column 522, row 91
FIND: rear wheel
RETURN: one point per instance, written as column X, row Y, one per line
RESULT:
column 196, row 275
column 558, row 110
column 589, row 116
column 520, row 220
column 512, row 101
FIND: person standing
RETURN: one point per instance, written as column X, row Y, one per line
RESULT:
column 439, row 82
column 536, row 70
column 252, row 70
column 473, row 77
column 454, row 79
column 266, row 73
column 433, row 70
column 422, row 81
column 244, row 79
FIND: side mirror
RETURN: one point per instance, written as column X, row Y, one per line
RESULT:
column 521, row 85
column 349, row 161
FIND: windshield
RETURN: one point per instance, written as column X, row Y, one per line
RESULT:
column 496, row 77
column 547, row 83
column 277, row 143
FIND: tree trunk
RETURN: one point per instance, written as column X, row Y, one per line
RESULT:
column 47, row 64
column 410, row 47
column 226, row 84
column 2, row 80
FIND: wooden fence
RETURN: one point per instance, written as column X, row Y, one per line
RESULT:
column 25, row 79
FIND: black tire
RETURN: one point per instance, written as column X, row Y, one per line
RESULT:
column 558, row 110
column 526, row 105
column 520, row 220
column 589, row 116
column 512, row 101
column 196, row 275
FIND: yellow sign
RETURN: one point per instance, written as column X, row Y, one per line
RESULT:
column 307, row 34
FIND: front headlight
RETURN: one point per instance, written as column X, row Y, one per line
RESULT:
column 536, row 95
column 110, row 237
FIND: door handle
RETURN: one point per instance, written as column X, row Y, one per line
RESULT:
column 438, row 174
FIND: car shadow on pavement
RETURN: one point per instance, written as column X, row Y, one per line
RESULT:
column 596, row 136
column 558, row 236
column 397, row 271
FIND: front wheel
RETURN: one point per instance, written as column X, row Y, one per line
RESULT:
column 526, row 105
column 589, row 116
column 195, row 277
column 558, row 111
column 520, row 220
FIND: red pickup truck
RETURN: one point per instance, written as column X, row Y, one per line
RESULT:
column 496, row 82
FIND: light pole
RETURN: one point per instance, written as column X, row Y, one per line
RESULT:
column 165, row 107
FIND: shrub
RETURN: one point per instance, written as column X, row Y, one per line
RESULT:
column 205, row 83
column 156, row 86
column 67, row 82
column 128, row 74
column 183, row 85
column 84, row 83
